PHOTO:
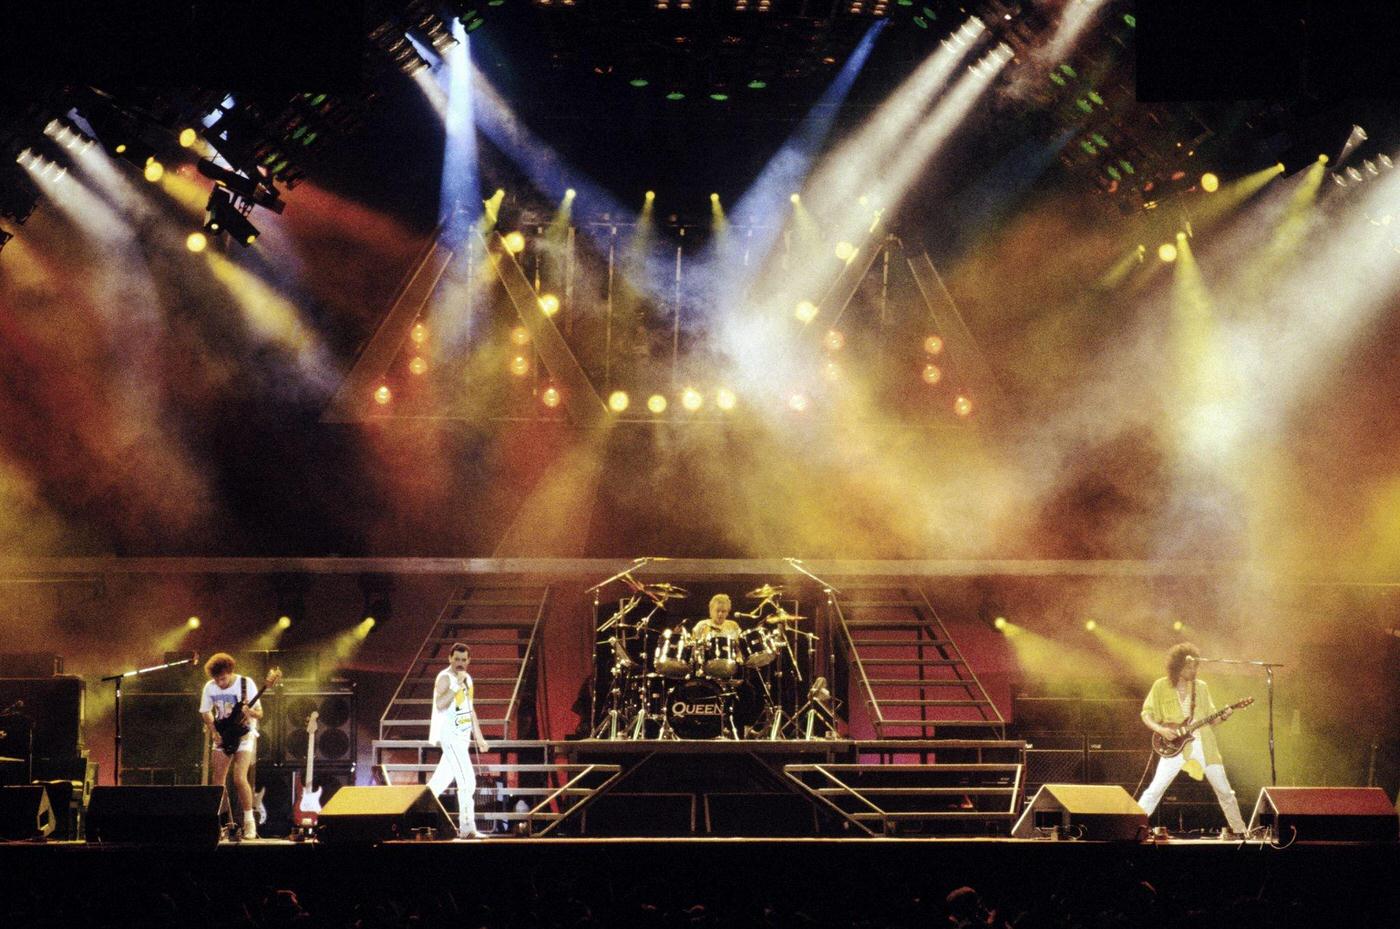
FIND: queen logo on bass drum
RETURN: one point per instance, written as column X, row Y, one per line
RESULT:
column 706, row 708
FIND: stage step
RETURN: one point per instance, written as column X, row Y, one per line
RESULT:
column 925, row 662
column 886, row 799
column 472, row 641
column 886, row 701
column 919, row 682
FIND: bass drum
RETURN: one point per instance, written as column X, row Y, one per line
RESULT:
column 695, row 709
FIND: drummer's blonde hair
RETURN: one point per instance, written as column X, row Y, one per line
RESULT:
column 717, row 600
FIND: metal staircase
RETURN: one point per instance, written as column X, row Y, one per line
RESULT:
column 907, row 668
column 501, row 625
column 978, row 794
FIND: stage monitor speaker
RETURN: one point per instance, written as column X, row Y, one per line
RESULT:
column 1327, row 814
column 1101, row 812
column 164, row 815
column 25, row 813
column 375, row 814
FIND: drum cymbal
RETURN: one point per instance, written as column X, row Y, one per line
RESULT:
column 668, row 590
column 764, row 592
column 782, row 616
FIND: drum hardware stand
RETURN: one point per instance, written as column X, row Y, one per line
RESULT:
column 816, row 708
column 830, row 590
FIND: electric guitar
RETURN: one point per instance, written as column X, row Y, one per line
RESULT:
column 233, row 727
column 306, row 801
column 1170, row 748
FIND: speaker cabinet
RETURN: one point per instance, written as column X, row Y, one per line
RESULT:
column 1088, row 811
column 1327, row 814
column 162, row 815
column 335, row 725
column 376, row 814
column 55, row 705
column 162, row 737
column 25, row 813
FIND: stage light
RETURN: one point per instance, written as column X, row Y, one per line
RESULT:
column 933, row 344
column 550, row 397
column 1000, row 622
column 806, row 311
column 834, row 340
column 757, row 85
column 1210, row 183
column 382, row 394
column 651, row 195
column 725, row 399
column 1322, row 159
column 691, row 399
column 719, row 97
column 188, row 137
column 798, row 402
column 192, row 622
column 1167, row 252
column 932, row 374
column 520, row 335
column 639, row 82
column 514, row 242
column 962, row 406
column 419, row 333
column 1178, row 626
column 1091, row 625
column 154, row 170
column 832, row 371
column 656, row 403
column 223, row 215
column 714, row 198
column 549, row 304
column 618, row 401
column 284, row 622
column 675, row 95
column 519, row 366
column 364, row 628
column 795, row 198
column 845, row 251
column 570, row 194
column 196, row 242
column 417, row 365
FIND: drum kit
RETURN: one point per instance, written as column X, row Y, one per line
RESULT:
column 668, row 683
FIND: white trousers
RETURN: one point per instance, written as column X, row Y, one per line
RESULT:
column 1169, row 768
column 456, row 765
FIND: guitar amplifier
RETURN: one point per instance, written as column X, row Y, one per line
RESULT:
column 335, row 725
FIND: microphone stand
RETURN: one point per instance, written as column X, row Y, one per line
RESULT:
column 1268, row 667
column 116, row 680
column 830, row 590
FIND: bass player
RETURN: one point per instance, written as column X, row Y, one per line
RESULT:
column 1172, row 703
column 223, row 693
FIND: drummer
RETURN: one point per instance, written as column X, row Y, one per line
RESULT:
column 718, row 623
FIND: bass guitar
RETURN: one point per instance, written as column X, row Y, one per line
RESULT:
column 233, row 727
column 306, row 800
column 1170, row 748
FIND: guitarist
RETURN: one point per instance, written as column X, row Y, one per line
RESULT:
column 223, row 692
column 1173, row 701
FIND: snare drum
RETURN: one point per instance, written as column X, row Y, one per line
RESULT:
column 718, row 657
column 674, row 653
column 760, row 646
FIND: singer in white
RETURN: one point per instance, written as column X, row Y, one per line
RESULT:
column 453, row 728
column 1171, row 705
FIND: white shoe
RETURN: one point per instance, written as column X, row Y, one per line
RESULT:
column 250, row 830
column 470, row 834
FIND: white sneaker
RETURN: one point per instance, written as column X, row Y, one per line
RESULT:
column 470, row 834
column 250, row 830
